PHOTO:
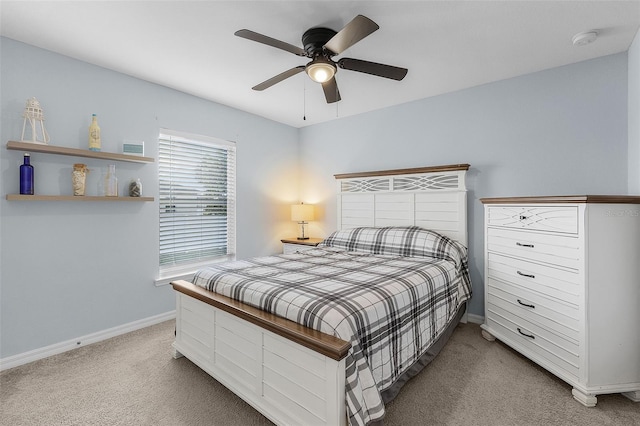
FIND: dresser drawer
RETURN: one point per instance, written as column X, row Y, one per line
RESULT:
column 547, row 282
column 533, row 339
column 547, row 313
column 539, row 218
column 557, row 250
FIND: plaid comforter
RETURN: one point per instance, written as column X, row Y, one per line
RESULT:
column 390, row 307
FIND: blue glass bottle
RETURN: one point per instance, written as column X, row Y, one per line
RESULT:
column 26, row 176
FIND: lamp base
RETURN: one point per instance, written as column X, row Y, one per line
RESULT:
column 302, row 236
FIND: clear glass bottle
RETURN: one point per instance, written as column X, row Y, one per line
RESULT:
column 26, row 176
column 111, row 182
column 94, row 134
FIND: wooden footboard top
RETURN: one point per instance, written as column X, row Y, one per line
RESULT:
column 325, row 344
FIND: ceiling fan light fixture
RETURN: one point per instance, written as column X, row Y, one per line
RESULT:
column 320, row 70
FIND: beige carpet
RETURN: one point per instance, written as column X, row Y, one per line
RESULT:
column 133, row 380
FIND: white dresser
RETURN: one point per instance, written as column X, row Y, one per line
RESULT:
column 562, row 287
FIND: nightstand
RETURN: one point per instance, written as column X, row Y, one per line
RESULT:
column 292, row 245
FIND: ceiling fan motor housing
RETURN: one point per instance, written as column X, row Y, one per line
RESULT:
column 315, row 38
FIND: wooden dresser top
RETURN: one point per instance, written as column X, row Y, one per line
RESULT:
column 602, row 199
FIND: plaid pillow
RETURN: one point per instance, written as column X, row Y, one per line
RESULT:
column 410, row 241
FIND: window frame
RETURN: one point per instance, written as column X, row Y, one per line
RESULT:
column 185, row 269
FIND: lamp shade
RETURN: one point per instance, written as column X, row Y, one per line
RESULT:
column 301, row 212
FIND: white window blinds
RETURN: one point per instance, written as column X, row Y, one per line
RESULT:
column 197, row 198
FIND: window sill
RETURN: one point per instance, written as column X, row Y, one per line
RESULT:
column 186, row 272
column 166, row 280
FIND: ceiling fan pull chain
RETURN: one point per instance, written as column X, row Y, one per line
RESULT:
column 304, row 99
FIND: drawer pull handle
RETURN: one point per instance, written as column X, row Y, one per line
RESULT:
column 524, row 245
column 524, row 304
column 531, row 336
column 524, row 217
column 525, row 275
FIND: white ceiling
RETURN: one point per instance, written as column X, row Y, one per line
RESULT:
column 446, row 45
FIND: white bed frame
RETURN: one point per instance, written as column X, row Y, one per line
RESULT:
column 291, row 374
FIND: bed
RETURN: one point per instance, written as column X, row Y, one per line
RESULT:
column 328, row 335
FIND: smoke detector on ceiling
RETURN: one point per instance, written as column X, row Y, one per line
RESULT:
column 582, row 39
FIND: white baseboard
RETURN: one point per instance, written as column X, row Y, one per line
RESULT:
column 57, row 348
column 476, row 319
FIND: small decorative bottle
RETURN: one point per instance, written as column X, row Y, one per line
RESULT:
column 135, row 188
column 111, row 182
column 26, row 176
column 94, row 134
column 78, row 178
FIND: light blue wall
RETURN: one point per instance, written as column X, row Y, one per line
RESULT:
column 634, row 116
column 556, row 132
column 70, row 269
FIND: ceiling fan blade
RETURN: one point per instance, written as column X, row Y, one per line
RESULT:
column 331, row 92
column 278, row 78
column 251, row 35
column 373, row 68
column 353, row 32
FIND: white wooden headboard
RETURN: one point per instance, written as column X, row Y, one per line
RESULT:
column 430, row 197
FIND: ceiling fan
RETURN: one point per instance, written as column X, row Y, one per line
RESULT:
column 321, row 45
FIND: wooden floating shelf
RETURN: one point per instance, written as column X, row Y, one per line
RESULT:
column 60, row 150
column 20, row 197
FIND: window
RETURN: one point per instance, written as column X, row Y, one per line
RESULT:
column 197, row 201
